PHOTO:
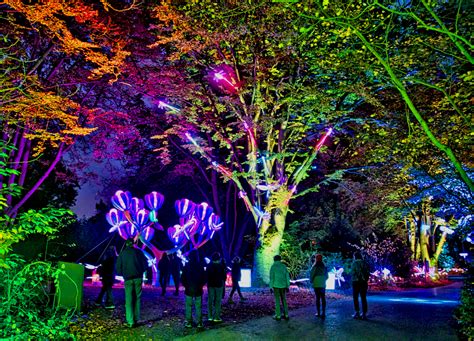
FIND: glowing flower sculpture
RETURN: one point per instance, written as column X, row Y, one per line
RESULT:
column 224, row 79
column 136, row 218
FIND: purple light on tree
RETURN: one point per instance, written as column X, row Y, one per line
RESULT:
column 224, row 79
column 130, row 219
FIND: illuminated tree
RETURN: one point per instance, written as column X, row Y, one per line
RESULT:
column 45, row 44
column 238, row 105
column 418, row 50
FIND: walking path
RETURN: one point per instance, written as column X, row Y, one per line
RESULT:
column 419, row 314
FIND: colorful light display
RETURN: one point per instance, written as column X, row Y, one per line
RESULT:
column 130, row 219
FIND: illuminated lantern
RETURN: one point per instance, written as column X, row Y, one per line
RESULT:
column 141, row 217
column 136, row 205
column 127, row 230
column 223, row 78
column 184, row 207
column 214, row 224
column 154, row 201
column 114, row 217
column 121, row 200
column 203, row 211
column 148, row 233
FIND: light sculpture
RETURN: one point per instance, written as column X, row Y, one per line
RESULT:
column 223, row 79
column 137, row 218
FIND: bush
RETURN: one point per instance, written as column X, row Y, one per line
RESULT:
column 465, row 312
column 26, row 309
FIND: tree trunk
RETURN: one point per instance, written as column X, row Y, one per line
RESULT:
column 269, row 241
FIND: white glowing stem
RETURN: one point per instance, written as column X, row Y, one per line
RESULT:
column 163, row 105
column 220, row 76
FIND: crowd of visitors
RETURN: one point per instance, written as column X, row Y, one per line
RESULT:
column 131, row 263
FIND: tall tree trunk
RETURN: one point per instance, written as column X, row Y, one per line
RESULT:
column 269, row 241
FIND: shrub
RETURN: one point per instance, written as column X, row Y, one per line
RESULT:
column 26, row 294
column 465, row 312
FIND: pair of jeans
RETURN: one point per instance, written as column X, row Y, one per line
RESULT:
column 359, row 288
column 320, row 299
column 235, row 287
column 133, row 294
column 189, row 308
column 176, row 276
column 107, row 291
column 164, row 280
column 214, row 302
column 280, row 294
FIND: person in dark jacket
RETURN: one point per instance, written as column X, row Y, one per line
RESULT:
column 360, row 277
column 131, row 264
column 193, row 279
column 107, row 274
column 175, row 266
column 236, row 276
column 216, row 275
column 164, row 266
column 318, row 277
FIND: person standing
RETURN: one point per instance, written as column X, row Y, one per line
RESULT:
column 236, row 276
column 360, row 276
column 131, row 264
column 279, row 284
column 164, row 268
column 193, row 279
column 107, row 273
column 175, row 265
column 318, row 277
column 216, row 275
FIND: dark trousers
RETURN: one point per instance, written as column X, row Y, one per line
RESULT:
column 176, row 280
column 235, row 287
column 360, row 288
column 280, row 294
column 107, row 291
column 320, row 300
column 164, row 279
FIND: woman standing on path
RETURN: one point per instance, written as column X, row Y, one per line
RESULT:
column 318, row 277
column 279, row 284
column 360, row 277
